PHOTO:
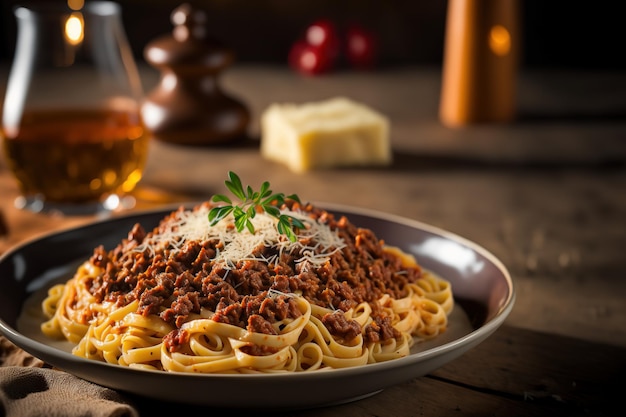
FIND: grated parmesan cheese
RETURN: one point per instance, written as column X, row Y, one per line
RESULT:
column 193, row 225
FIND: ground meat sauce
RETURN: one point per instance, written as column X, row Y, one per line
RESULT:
column 177, row 283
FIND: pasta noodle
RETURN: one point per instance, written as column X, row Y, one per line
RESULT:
column 190, row 297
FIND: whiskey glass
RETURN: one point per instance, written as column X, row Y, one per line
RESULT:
column 71, row 127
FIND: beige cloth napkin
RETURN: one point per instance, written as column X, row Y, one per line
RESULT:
column 29, row 389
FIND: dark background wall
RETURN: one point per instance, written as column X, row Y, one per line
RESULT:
column 556, row 33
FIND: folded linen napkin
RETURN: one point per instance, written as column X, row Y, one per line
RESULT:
column 11, row 355
column 29, row 389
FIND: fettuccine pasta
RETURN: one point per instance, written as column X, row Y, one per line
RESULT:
column 190, row 297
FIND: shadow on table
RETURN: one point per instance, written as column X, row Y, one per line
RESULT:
column 423, row 161
column 572, row 117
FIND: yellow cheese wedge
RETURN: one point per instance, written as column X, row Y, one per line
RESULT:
column 331, row 133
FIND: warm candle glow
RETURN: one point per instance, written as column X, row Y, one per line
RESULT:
column 74, row 28
column 499, row 40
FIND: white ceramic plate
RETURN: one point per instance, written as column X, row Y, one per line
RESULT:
column 482, row 287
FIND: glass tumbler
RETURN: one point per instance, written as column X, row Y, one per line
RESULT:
column 71, row 126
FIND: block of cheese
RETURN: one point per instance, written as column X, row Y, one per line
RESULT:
column 331, row 133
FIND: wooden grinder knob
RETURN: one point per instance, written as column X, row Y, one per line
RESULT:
column 188, row 107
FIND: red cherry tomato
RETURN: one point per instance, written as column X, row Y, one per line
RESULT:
column 323, row 34
column 309, row 59
column 361, row 47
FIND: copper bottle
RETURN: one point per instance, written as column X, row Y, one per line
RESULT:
column 480, row 62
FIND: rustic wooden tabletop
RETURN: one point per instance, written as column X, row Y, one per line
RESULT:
column 546, row 194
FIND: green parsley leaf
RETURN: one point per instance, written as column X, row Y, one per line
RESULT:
column 250, row 202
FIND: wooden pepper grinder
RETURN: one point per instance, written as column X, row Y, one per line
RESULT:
column 188, row 107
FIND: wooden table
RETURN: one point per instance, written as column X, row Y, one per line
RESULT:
column 546, row 194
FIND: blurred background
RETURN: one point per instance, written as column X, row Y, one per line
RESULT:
column 556, row 34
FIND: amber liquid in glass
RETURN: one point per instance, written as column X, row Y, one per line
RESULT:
column 77, row 156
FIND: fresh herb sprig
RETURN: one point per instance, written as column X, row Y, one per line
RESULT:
column 250, row 202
